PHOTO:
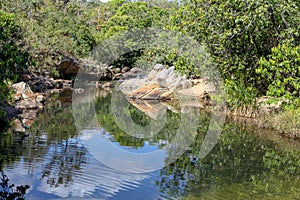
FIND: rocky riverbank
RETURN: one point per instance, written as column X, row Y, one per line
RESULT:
column 161, row 84
column 29, row 95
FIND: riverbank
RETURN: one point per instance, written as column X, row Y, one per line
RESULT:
column 30, row 95
column 276, row 116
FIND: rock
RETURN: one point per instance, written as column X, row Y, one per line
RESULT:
column 162, row 82
column 153, row 109
column 28, row 114
column 40, row 105
column 68, row 67
column 266, row 108
column 28, row 95
column 49, row 85
column 162, row 74
column 107, row 85
column 158, row 67
column 186, row 84
column 117, row 76
column 78, row 90
column 25, row 77
column 133, row 73
column 21, row 87
column 170, row 80
column 11, row 111
column 195, row 81
column 158, row 85
column 125, row 69
column 116, row 70
column 142, row 91
column 129, row 85
column 40, row 98
column 152, row 74
column 27, row 104
column 17, row 97
column 158, row 94
column 151, row 92
column 200, row 92
column 67, row 84
column 27, row 122
column 58, row 83
column 54, row 91
column 18, row 126
column 175, row 84
column 105, row 76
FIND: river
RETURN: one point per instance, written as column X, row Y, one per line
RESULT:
column 59, row 160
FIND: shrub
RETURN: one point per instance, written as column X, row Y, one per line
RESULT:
column 13, row 58
column 279, row 72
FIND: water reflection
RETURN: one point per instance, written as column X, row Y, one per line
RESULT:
column 56, row 164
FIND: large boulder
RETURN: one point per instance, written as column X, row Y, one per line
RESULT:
column 68, row 67
column 160, row 84
column 151, row 92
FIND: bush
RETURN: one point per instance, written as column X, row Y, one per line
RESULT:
column 280, row 71
column 238, row 33
column 13, row 59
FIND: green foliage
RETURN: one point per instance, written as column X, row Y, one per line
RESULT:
column 54, row 28
column 2, row 115
column 238, row 33
column 128, row 16
column 238, row 94
column 286, row 121
column 254, row 43
column 280, row 71
column 64, row 31
column 13, row 58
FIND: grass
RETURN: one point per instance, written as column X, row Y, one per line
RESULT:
column 287, row 122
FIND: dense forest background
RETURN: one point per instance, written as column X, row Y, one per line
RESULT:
column 254, row 44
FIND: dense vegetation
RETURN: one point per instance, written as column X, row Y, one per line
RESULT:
column 254, row 44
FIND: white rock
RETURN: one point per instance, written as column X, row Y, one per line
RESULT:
column 21, row 87
column 158, row 67
column 152, row 74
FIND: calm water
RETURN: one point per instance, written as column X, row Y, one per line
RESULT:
column 59, row 161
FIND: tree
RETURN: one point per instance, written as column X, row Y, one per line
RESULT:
column 238, row 33
column 14, row 57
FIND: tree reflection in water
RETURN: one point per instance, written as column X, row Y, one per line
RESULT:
column 241, row 164
column 8, row 191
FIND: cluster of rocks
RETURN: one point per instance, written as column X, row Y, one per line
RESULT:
column 162, row 84
column 27, row 104
column 70, row 67
column 41, row 81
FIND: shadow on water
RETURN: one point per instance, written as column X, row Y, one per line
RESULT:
column 246, row 163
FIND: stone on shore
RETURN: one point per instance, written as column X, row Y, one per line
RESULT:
column 161, row 84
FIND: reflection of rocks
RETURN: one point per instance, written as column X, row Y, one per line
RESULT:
column 18, row 126
column 107, row 85
column 151, row 108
